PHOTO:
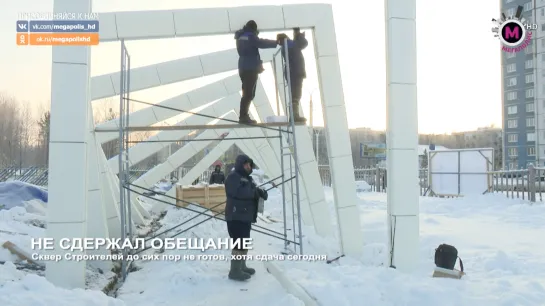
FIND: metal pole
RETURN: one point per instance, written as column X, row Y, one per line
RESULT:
column 287, row 102
column 292, row 123
column 276, row 93
column 283, row 191
column 292, row 196
column 120, row 157
column 127, row 175
column 311, row 113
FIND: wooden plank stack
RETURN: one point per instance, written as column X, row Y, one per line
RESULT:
column 205, row 196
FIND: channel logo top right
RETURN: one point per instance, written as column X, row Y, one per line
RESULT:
column 513, row 32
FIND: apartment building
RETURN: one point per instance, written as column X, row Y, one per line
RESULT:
column 523, row 86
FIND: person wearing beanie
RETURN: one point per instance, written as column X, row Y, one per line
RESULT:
column 250, row 65
column 241, row 209
column 296, row 66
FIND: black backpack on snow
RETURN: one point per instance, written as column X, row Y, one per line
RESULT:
column 445, row 257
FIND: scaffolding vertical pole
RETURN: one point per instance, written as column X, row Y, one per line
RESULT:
column 286, row 243
column 288, row 147
column 127, row 161
column 121, row 171
column 295, row 158
column 276, row 93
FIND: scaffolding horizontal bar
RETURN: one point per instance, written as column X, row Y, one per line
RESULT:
column 207, row 139
column 195, row 127
column 462, row 173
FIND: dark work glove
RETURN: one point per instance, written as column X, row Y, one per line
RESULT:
column 263, row 193
column 296, row 32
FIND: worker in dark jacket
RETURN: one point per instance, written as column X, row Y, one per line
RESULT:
column 250, row 65
column 297, row 67
column 241, row 211
column 217, row 177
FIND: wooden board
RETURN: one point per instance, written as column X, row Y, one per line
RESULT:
column 444, row 273
column 234, row 125
column 206, row 196
column 19, row 252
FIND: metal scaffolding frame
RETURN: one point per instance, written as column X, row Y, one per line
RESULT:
column 123, row 156
column 286, row 130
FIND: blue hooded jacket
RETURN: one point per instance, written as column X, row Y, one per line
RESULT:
column 241, row 192
column 248, row 45
column 296, row 58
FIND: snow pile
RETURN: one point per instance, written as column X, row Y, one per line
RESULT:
column 19, row 288
column 25, row 286
column 18, row 227
column 200, row 282
column 497, row 238
column 17, row 193
column 362, row 186
column 163, row 186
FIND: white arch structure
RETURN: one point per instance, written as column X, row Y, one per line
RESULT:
column 82, row 185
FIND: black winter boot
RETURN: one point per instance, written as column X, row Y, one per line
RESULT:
column 244, row 116
column 296, row 115
column 246, row 120
column 244, row 267
column 236, row 272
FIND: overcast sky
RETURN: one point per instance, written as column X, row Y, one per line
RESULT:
column 458, row 80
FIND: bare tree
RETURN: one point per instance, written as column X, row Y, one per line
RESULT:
column 10, row 129
column 44, row 124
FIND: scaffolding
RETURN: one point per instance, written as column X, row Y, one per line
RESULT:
column 123, row 156
column 288, row 147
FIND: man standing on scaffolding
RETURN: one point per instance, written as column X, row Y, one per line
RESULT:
column 241, row 211
column 250, row 65
column 296, row 66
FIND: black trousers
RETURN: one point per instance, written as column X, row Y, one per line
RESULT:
column 296, row 89
column 249, row 82
column 239, row 230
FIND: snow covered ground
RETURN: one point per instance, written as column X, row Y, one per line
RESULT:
column 500, row 241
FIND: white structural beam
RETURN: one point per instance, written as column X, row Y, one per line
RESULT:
column 112, row 210
column 402, row 134
column 96, row 213
column 169, row 72
column 313, row 201
column 179, row 157
column 253, row 148
column 207, row 160
column 67, row 207
column 271, row 158
column 190, row 149
column 187, row 101
column 143, row 150
column 212, row 21
column 212, row 156
column 136, row 207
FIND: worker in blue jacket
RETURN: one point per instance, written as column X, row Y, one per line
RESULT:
column 241, row 211
column 250, row 65
column 297, row 67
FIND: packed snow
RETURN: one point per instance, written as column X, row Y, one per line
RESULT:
column 15, row 193
column 498, row 239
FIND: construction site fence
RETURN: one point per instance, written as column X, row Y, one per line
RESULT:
column 526, row 184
